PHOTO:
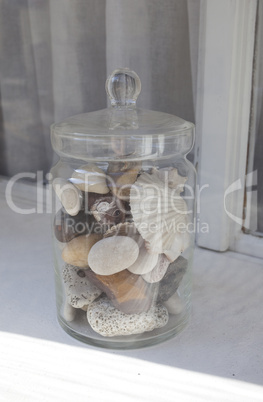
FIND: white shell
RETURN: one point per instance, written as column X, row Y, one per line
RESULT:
column 69, row 195
column 109, row 321
column 144, row 263
column 80, row 291
column 158, row 272
column 159, row 213
column 174, row 304
column 179, row 245
column 90, row 178
column 113, row 254
column 172, row 178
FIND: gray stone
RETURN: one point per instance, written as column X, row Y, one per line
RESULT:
column 171, row 280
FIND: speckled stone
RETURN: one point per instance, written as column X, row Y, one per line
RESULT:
column 109, row 321
column 171, row 280
column 79, row 290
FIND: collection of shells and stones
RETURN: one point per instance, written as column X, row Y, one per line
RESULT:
column 122, row 259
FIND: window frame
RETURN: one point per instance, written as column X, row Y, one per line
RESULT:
column 225, row 69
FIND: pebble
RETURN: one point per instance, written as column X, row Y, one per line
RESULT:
column 67, row 227
column 69, row 195
column 113, row 254
column 69, row 312
column 174, row 305
column 79, row 290
column 109, row 321
column 171, row 280
column 76, row 252
column 128, row 292
column 158, row 272
column 90, row 178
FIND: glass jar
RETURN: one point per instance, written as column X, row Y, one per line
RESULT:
column 123, row 225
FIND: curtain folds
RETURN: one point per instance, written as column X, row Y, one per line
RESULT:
column 55, row 57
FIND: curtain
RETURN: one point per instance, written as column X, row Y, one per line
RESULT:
column 55, row 57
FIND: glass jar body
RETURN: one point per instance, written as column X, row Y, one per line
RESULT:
column 123, row 235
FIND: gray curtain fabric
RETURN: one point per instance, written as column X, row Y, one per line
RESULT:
column 55, row 56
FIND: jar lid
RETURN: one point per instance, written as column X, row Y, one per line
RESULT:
column 122, row 130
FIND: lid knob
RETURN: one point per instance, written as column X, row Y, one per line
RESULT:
column 123, row 87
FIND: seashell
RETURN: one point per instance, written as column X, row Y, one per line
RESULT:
column 158, row 212
column 77, row 250
column 174, row 304
column 80, row 291
column 108, row 210
column 90, row 178
column 127, row 292
column 109, row 321
column 145, row 261
column 121, row 175
column 70, row 196
column 113, row 254
column 171, row 176
column 172, row 278
column 179, row 245
column 158, row 272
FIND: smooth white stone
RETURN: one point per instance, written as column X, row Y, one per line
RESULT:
column 113, row 254
column 69, row 312
column 174, row 304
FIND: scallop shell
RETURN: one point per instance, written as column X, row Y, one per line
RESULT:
column 179, row 245
column 90, row 178
column 172, row 178
column 145, row 261
column 159, row 213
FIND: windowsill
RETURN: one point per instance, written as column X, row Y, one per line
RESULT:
column 217, row 357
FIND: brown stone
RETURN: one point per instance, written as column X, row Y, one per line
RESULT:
column 67, row 227
column 127, row 292
column 77, row 250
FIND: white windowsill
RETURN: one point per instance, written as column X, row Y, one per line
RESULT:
column 217, row 358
